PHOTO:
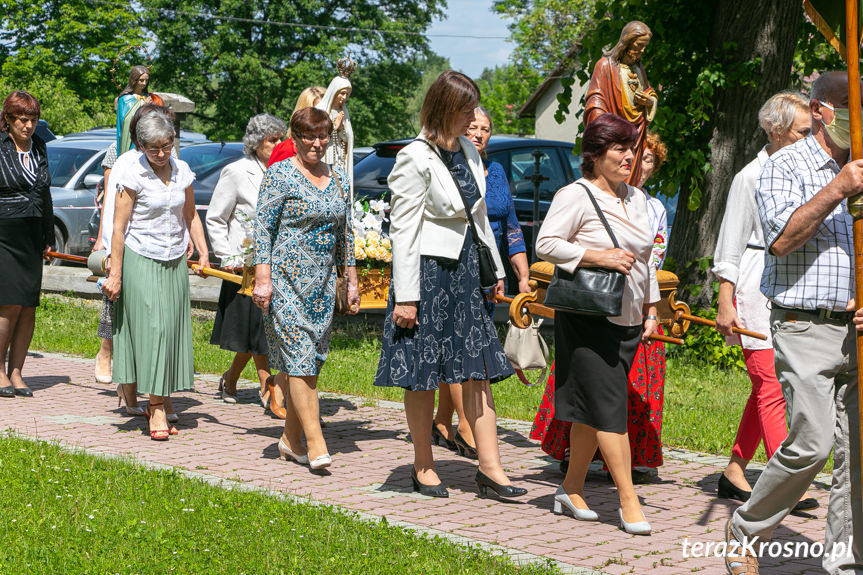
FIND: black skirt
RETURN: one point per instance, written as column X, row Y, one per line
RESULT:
column 21, row 248
column 592, row 361
column 239, row 324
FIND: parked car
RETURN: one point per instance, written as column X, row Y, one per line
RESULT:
column 518, row 156
column 76, row 170
column 110, row 132
column 44, row 132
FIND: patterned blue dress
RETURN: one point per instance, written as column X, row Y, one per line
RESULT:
column 302, row 233
column 455, row 340
column 501, row 212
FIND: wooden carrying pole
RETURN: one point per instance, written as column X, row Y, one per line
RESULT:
column 855, row 204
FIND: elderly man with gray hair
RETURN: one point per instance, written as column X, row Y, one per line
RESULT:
column 154, row 219
column 809, row 278
column 239, row 325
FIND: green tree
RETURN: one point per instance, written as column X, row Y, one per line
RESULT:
column 70, row 45
column 544, row 30
column 235, row 68
column 713, row 63
column 505, row 89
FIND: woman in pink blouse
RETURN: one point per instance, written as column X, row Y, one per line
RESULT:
column 594, row 354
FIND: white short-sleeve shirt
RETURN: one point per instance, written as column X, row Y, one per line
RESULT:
column 157, row 229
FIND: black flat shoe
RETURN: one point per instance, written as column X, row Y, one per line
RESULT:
column 438, row 438
column 728, row 490
column 463, row 448
column 428, row 490
column 806, row 504
column 7, row 391
column 24, row 391
column 505, row 491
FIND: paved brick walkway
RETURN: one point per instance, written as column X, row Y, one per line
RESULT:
column 371, row 466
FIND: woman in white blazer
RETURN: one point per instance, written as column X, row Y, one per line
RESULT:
column 230, row 224
column 438, row 329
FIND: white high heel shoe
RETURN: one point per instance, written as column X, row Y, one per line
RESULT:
column 562, row 501
column 288, row 455
column 637, row 528
column 321, row 461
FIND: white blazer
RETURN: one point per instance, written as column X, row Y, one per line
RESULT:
column 428, row 216
column 237, row 189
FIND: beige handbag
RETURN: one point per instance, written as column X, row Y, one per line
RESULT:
column 526, row 349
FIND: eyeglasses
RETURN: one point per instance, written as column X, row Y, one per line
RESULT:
column 158, row 151
column 309, row 140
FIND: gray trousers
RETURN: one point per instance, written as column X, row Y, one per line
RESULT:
column 816, row 363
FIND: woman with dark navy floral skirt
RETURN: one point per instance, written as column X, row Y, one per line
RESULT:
column 438, row 329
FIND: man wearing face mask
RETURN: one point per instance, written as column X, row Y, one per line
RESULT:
column 808, row 278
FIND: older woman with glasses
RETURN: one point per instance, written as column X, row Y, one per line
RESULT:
column 239, row 325
column 154, row 219
column 302, row 232
column 26, row 233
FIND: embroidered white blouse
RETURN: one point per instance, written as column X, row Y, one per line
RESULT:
column 157, row 229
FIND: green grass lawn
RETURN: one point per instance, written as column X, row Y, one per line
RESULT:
column 73, row 513
column 703, row 404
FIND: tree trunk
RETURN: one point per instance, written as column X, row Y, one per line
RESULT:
column 765, row 30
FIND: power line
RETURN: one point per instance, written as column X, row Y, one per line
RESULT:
column 203, row 16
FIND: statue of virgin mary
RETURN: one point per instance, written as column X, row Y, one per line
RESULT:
column 130, row 99
column 340, row 148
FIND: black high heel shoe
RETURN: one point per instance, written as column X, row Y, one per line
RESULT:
column 437, row 438
column 463, row 448
column 483, row 482
column 728, row 490
column 428, row 490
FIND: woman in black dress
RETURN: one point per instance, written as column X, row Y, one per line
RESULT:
column 26, row 233
column 438, row 328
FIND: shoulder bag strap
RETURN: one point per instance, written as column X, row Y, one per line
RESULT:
column 458, row 187
column 601, row 215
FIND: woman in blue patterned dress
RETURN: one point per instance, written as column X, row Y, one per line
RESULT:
column 302, row 232
column 510, row 242
column 438, row 328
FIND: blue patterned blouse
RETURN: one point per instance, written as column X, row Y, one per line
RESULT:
column 501, row 212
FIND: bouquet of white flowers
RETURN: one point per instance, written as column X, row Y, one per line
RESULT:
column 372, row 247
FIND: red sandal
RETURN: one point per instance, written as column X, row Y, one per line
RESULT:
column 157, row 434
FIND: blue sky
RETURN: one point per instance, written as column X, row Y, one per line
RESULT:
column 471, row 18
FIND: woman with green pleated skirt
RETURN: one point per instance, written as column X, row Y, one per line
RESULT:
column 154, row 220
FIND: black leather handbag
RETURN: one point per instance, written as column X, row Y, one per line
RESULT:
column 487, row 268
column 588, row 291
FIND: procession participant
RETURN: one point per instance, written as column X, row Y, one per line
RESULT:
column 809, row 278
column 340, row 148
column 239, row 325
column 127, row 392
column 509, row 241
column 26, row 233
column 302, row 232
column 130, row 99
column 154, row 217
column 647, row 374
column 309, row 98
column 739, row 263
column 594, row 353
column 619, row 86
column 437, row 329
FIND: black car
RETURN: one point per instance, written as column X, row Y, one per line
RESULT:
column 518, row 156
